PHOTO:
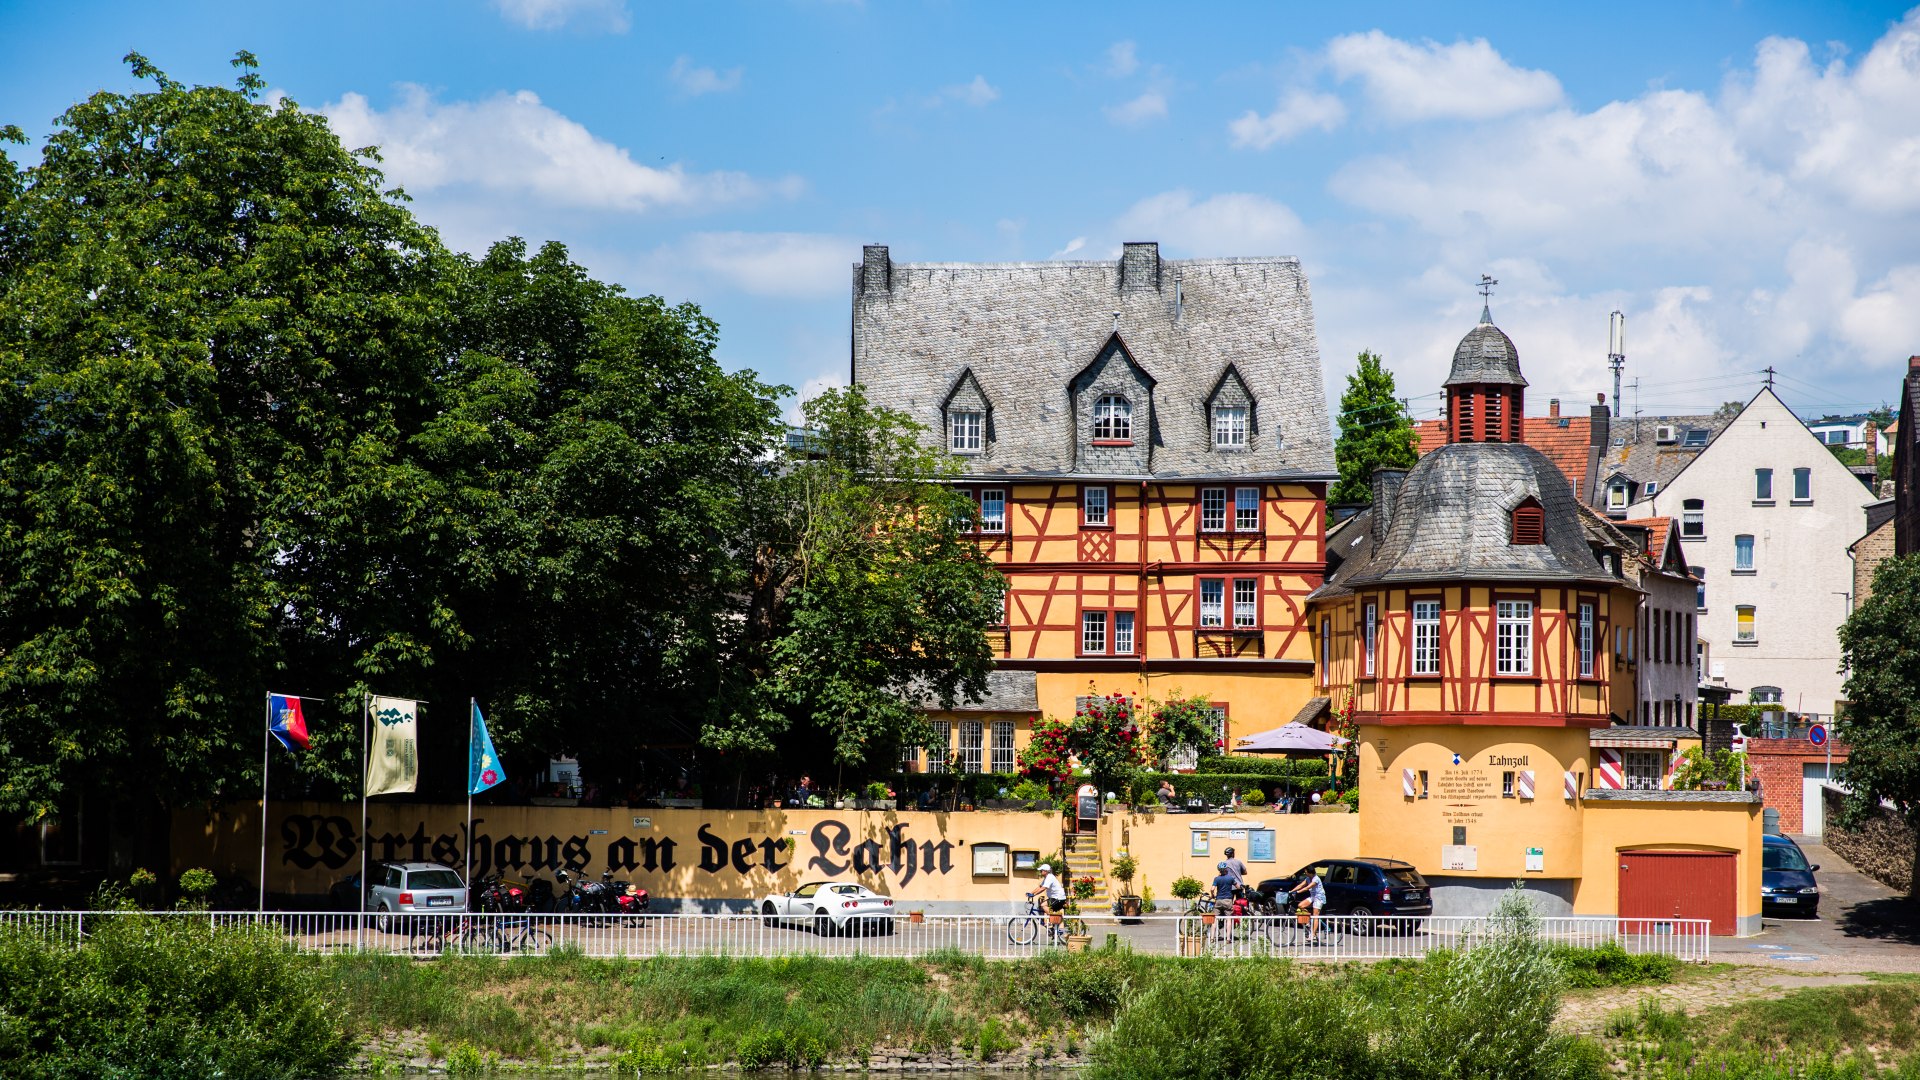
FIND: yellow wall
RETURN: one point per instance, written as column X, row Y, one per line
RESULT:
column 1469, row 794
column 1163, row 843
column 1669, row 826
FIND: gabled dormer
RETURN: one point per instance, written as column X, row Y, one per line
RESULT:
column 1618, row 491
column 1111, row 406
column 966, row 416
column 1232, row 420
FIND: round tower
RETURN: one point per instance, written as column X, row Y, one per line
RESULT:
column 1486, row 394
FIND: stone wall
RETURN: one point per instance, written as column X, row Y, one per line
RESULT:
column 1868, row 552
column 1881, row 848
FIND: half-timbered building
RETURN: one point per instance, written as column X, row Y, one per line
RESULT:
column 1147, row 442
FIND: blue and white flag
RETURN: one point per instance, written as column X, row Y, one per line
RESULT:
column 483, row 765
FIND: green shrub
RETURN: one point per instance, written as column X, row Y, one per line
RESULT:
column 1229, row 1023
column 877, row 791
column 1254, row 797
column 1611, row 965
column 197, row 883
column 1249, row 765
column 157, row 996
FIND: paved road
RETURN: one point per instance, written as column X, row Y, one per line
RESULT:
column 1862, row 926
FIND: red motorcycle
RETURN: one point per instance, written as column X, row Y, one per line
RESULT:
column 628, row 898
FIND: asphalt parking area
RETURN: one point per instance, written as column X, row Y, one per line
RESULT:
column 1862, row 926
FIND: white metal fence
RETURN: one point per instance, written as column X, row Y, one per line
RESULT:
column 993, row 937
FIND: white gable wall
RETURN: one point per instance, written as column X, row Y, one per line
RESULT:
column 1801, row 572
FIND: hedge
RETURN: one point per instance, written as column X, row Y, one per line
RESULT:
column 1215, row 764
column 1213, row 787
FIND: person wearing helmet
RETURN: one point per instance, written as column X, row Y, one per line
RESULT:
column 1050, row 887
column 1237, row 868
column 1225, row 885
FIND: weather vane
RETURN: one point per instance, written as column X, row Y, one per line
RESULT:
column 1486, row 298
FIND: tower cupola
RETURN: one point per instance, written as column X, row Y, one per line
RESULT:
column 1486, row 393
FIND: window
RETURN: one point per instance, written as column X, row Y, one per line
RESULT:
column 1743, row 621
column 1112, row 419
column 1326, row 650
column 1230, row 427
column 965, row 431
column 1513, row 643
column 1585, row 631
column 909, row 759
column 1003, row 746
column 1695, row 437
column 993, row 510
column 1699, row 586
column 1506, row 785
column 1529, row 523
column 1652, row 486
column 1763, row 485
column 1246, row 603
column 1217, row 721
column 1213, row 593
column 1123, row 633
column 1370, row 626
column 1764, row 695
column 1093, row 632
column 1213, row 509
column 1466, row 418
column 1423, row 783
column 1693, row 518
column 1617, row 495
column 1743, row 554
column 1643, row 769
column 1246, row 509
column 1426, row 637
column 1093, row 507
column 970, row 737
column 1803, row 485
column 941, row 745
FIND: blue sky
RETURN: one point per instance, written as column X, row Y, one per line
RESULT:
column 1742, row 179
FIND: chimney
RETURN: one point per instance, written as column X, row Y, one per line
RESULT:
column 876, row 269
column 1553, row 409
column 1598, row 423
column 1386, row 489
column 1140, row 266
column 1599, row 432
column 1913, row 363
column 1872, row 433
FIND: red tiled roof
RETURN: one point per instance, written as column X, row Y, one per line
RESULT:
column 1657, row 530
column 1563, row 440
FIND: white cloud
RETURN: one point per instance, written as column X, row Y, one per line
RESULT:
column 1121, row 59
column 812, row 388
column 1230, row 224
column 1150, row 105
column 977, row 93
column 1297, row 111
column 784, row 264
column 610, row 15
column 511, row 144
column 1074, row 245
column 1429, row 81
column 694, row 81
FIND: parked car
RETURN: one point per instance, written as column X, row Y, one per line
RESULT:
column 1786, row 879
column 1362, row 888
column 831, row 906
column 413, row 888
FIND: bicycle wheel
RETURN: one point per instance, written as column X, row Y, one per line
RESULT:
column 533, row 939
column 1022, row 931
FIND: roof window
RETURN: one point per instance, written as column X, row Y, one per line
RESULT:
column 1529, row 524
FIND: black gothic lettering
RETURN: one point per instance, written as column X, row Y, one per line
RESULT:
column 898, row 846
column 713, row 850
column 770, row 849
column 829, row 836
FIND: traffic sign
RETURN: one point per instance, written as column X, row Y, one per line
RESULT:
column 1817, row 734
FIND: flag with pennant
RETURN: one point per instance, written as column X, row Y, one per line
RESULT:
column 286, row 722
column 483, row 765
column 393, row 761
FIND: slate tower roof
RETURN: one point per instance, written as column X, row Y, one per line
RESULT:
column 1485, row 355
column 1035, row 345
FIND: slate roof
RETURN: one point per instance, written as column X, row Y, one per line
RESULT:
column 1007, row 692
column 1311, row 711
column 1485, row 355
column 1450, row 520
column 1564, row 439
column 1632, row 449
column 1028, row 331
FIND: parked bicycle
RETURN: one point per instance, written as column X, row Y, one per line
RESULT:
column 519, row 935
column 1026, row 929
column 430, row 934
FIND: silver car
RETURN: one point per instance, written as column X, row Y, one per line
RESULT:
column 413, row 887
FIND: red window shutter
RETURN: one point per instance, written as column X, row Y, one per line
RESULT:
column 1529, row 525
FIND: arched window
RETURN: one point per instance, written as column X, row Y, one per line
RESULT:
column 1113, row 419
column 1529, row 523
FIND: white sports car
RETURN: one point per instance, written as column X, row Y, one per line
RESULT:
column 831, row 906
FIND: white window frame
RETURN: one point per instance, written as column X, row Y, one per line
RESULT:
column 1513, row 637
column 1213, row 510
column 1426, row 637
column 1246, row 509
column 972, row 739
column 1617, row 495
column 1743, row 552
column 1326, row 651
column 1230, row 427
column 1096, row 506
column 1213, row 609
column 966, row 431
column 993, row 520
column 1113, row 419
column 1643, row 770
column 1003, row 755
column 1586, row 617
column 1752, row 633
column 1093, row 633
column 1803, row 485
column 1699, row 587
column 1693, row 519
column 1217, row 720
column 1371, row 622
column 1246, row 603
column 937, row 752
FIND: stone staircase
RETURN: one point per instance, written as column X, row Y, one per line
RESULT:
column 1081, row 851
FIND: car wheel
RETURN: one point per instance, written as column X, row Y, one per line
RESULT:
column 822, row 924
column 766, row 913
column 1362, row 919
column 383, row 922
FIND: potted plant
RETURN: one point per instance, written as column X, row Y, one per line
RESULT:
column 875, row 796
column 1128, row 905
column 916, row 915
column 1192, row 935
column 1077, row 937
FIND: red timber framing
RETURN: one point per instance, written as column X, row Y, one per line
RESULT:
column 1148, row 557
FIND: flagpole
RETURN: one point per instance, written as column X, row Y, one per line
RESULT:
column 473, row 704
column 266, row 759
column 365, row 752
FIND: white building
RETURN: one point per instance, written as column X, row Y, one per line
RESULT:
column 1766, row 513
column 1849, row 431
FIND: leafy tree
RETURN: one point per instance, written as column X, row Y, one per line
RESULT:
column 1375, row 432
column 1880, row 651
column 865, row 596
column 1181, row 722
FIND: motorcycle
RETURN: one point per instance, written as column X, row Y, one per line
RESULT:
column 497, row 895
column 628, row 898
column 583, row 897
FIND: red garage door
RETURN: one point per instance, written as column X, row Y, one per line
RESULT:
column 1678, row 885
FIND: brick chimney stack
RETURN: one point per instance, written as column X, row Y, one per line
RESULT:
column 1872, row 434
column 1553, row 409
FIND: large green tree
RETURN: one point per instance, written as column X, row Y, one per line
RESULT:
column 1375, row 432
column 1880, row 651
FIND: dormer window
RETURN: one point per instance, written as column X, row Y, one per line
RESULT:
column 1617, row 495
column 1112, row 420
column 1529, row 524
column 1229, row 427
column 966, row 431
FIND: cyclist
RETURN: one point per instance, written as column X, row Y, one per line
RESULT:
column 1315, row 898
column 1050, row 887
column 1237, row 868
column 1226, row 891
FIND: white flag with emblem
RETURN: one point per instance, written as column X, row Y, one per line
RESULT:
column 393, row 761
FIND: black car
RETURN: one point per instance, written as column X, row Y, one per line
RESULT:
column 1786, row 880
column 1362, row 888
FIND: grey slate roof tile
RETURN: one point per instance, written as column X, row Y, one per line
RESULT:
column 1007, row 692
column 1485, row 355
column 1030, row 331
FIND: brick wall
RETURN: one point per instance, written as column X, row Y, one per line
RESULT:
column 1867, row 553
column 1777, row 762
